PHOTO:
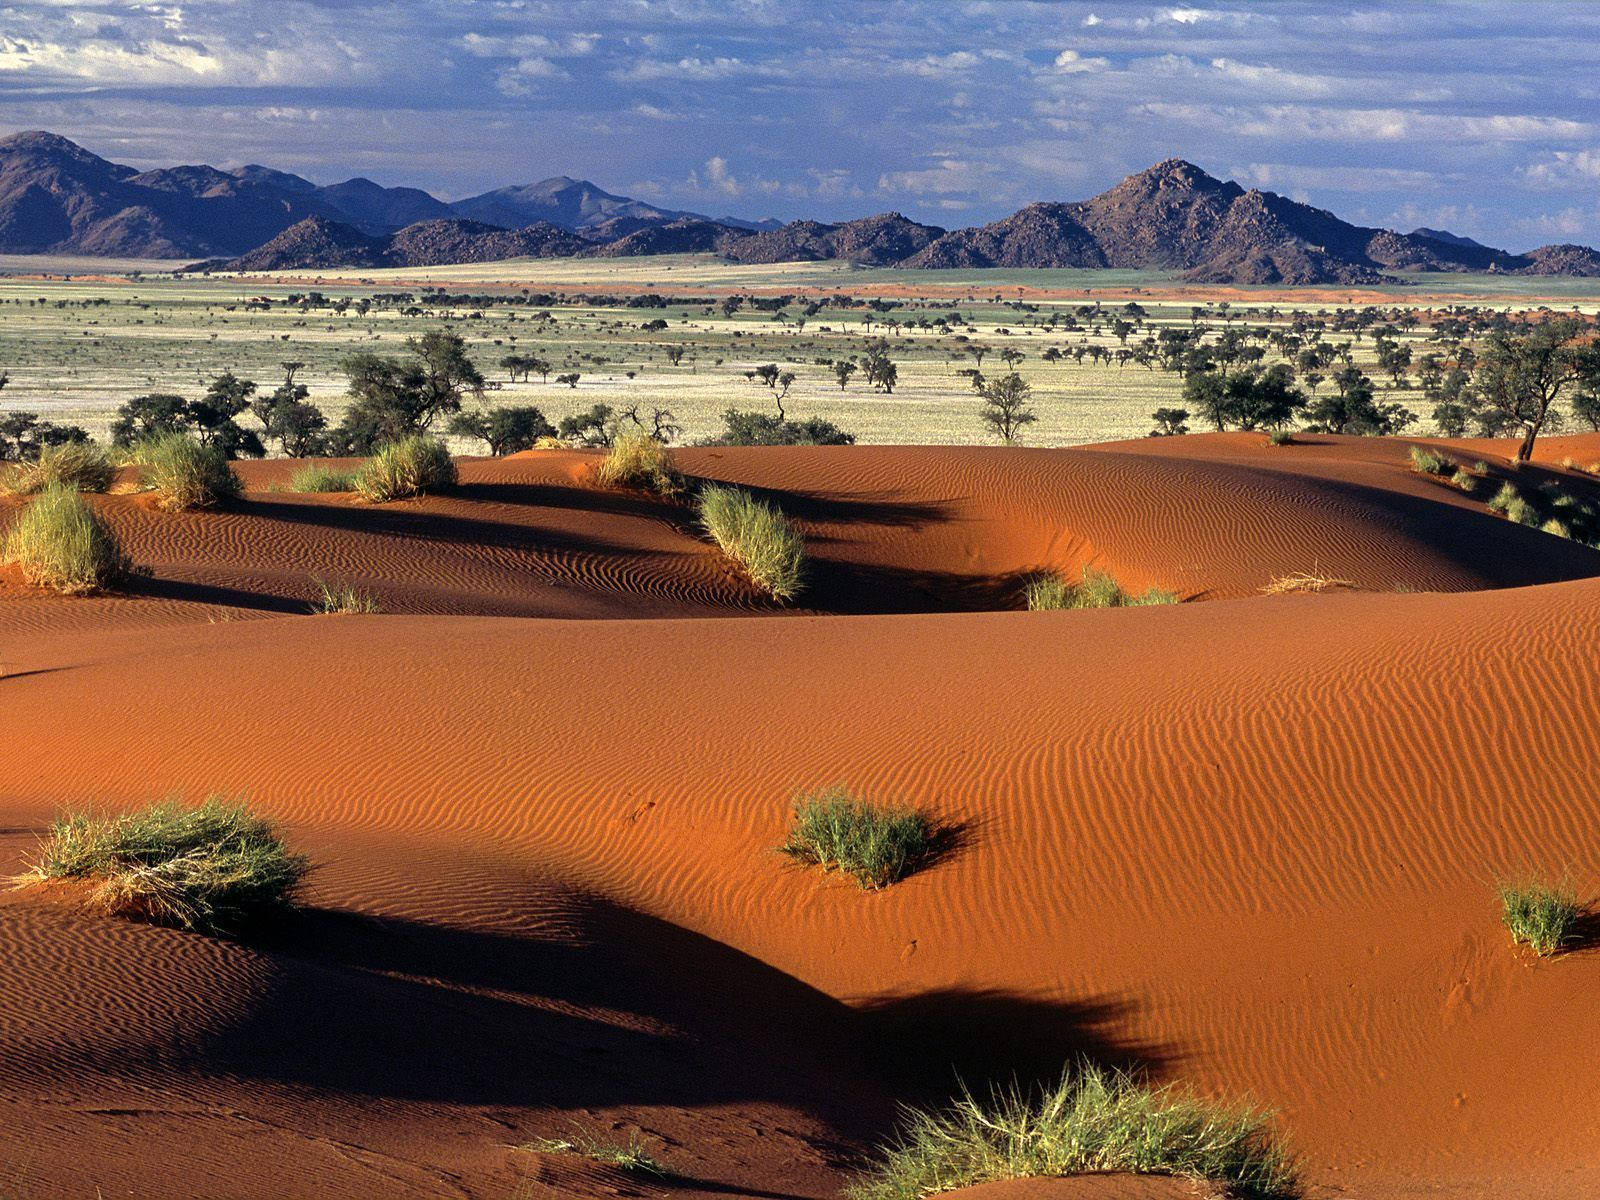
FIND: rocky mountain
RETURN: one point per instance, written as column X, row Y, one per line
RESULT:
column 374, row 208
column 883, row 240
column 1563, row 259
column 317, row 243
column 574, row 204
column 625, row 237
column 1444, row 235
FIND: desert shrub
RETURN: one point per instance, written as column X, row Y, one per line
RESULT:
column 1514, row 506
column 336, row 598
column 1093, row 1120
column 631, row 1156
column 213, row 869
column 1280, row 437
column 318, row 478
column 409, row 467
column 1556, row 526
column 875, row 844
column 60, row 542
column 1541, row 916
column 81, row 466
column 637, row 460
column 1429, row 462
column 757, row 536
column 1095, row 589
column 183, row 474
column 762, row 429
column 1306, row 581
column 1464, row 479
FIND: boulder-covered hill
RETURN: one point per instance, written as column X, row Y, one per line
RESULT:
column 317, row 243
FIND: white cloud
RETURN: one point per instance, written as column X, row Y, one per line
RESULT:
column 1070, row 62
column 951, row 175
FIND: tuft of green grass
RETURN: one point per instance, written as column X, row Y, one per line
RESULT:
column 337, row 598
column 875, row 844
column 60, row 542
column 1280, row 437
column 1511, row 504
column 317, row 478
column 411, row 467
column 81, row 466
column 1094, row 1120
column 183, row 474
column 631, row 1156
column 1095, row 589
column 1463, row 480
column 1543, row 917
column 212, row 869
column 639, row 461
column 757, row 536
column 1430, row 462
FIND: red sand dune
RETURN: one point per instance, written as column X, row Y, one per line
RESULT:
column 1247, row 843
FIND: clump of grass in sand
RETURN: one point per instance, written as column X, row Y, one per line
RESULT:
column 212, row 869
column 410, row 467
column 1280, row 437
column 1541, row 916
column 1463, row 480
column 81, row 466
column 1514, row 506
column 61, row 543
column 1430, row 462
column 639, row 461
column 183, row 474
column 317, row 478
column 757, row 536
column 631, row 1156
column 1305, row 581
column 1095, row 589
column 875, row 844
column 1094, row 1120
column 337, row 598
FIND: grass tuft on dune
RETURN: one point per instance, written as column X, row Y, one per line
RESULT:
column 183, row 474
column 875, row 844
column 81, row 466
column 1543, row 917
column 1095, row 589
column 1094, row 1120
column 400, row 470
column 757, row 536
column 317, row 478
column 213, row 869
column 640, row 462
column 59, row 542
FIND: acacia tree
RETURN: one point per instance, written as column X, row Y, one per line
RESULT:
column 1005, row 406
column 1519, row 378
column 393, row 399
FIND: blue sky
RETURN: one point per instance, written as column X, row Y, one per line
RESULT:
column 1481, row 118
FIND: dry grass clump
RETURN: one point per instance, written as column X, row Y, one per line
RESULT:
column 875, row 844
column 317, row 478
column 1280, row 437
column 1543, row 917
column 1514, row 506
column 212, row 869
column 631, row 1156
column 757, row 536
column 338, row 598
column 1430, row 462
column 81, row 466
column 1094, row 1120
column 1306, row 581
column 183, row 474
column 60, row 542
column 1095, row 589
column 411, row 467
column 639, row 461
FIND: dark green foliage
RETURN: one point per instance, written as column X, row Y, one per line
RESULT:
column 1170, row 422
column 393, row 399
column 760, row 429
column 506, row 430
column 597, row 427
column 1541, row 916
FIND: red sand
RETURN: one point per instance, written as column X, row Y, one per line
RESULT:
column 1247, row 843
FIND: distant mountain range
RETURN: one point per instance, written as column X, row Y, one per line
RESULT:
column 57, row 197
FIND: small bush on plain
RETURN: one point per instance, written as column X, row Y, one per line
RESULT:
column 875, row 844
column 1094, row 1120
column 757, row 536
column 81, row 466
column 1541, row 916
column 60, row 542
column 411, row 467
column 317, row 478
column 213, row 868
column 639, row 461
column 336, row 598
column 183, row 474
column 1280, row 437
column 632, row 1156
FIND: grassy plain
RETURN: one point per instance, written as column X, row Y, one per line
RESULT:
column 76, row 345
